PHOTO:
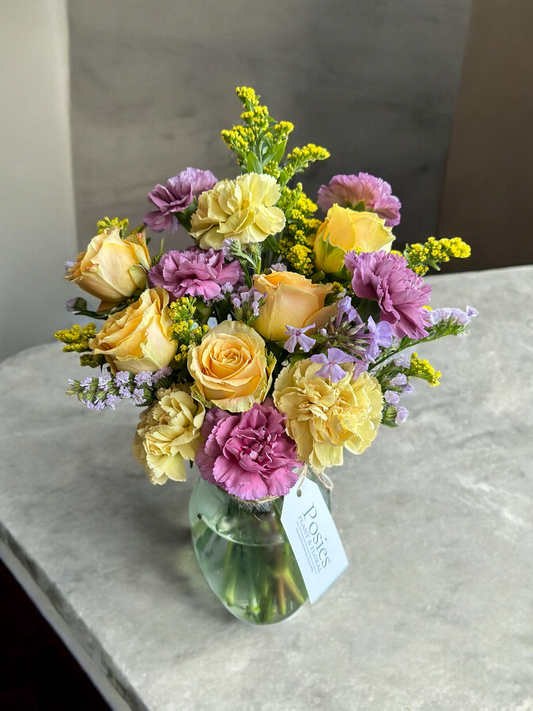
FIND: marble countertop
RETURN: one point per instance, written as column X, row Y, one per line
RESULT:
column 434, row 612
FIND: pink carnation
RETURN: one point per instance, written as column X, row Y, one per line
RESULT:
column 195, row 272
column 248, row 454
column 176, row 196
column 375, row 192
column 400, row 293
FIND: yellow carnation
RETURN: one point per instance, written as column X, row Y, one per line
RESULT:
column 241, row 209
column 325, row 417
column 169, row 433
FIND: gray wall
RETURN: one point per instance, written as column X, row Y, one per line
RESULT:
column 152, row 84
column 36, row 196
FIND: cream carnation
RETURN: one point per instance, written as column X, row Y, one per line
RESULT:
column 241, row 209
column 168, row 434
column 324, row 417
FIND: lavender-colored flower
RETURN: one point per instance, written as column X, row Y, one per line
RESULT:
column 159, row 374
column 403, row 360
column 111, row 401
column 391, row 397
column 399, row 380
column 278, row 267
column 462, row 318
column 86, row 384
column 71, row 304
column 331, row 364
column 401, row 415
column 400, row 293
column 122, row 377
column 374, row 192
column 297, row 337
column 104, row 381
column 179, row 192
column 194, row 272
column 381, row 334
column 345, row 307
column 138, row 396
column 408, row 389
column 144, row 377
column 125, row 392
column 68, row 267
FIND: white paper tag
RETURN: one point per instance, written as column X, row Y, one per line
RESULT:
column 314, row 538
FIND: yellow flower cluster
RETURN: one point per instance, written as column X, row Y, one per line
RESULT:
column 419, row 368
column 296, row 242
column 185, row 330
column 299, row 159
column 108, row 223
column 77, row 338
column 423, row 256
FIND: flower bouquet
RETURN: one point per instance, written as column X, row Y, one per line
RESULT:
column 264, row 350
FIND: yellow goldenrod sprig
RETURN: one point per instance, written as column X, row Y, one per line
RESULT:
column 300, row 158
column 422, row 257
column 108, row 223
column 77, row 338
column 298, row 237
column 419, row 368
column 185, row 329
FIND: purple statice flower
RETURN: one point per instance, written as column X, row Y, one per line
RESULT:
column 381, row 337
column 111, row 401
column 399, row 380
column 408, row 389
column 194, row 272
column 403, row 360
column 402, row 414
column 86, row 384
column 71, row 304
column 125, row 392
column 462, row 318
column 142, row 378
column 122, row 377
column 103, row 382
column 138, row 396
column 159, row 374
column 179, row 192
column 400, row 293
column 374, row 192
column 278, row 267
column 331, row 364
column 249, row 454
column 297, row 337
column 391, row 397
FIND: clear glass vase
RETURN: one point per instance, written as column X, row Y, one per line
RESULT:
column 245, row 555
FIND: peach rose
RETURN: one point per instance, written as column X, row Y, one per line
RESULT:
column 136, row 339
column 292, row 300
column 230, row 367
column 344, row 230
column 111, row 268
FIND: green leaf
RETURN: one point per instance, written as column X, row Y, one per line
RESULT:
column 253, row 163
column 358, row 207
column 271, row 244
column 317, row 276
column 184, row 217
column 279, row 151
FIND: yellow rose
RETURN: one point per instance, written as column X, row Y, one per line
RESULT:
column 292, row 300
column 230, row 367
column 169, row 433
column 241, row 209
column 344, row 230
column 325, row 417
column 136, row 339
column 111, row 268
